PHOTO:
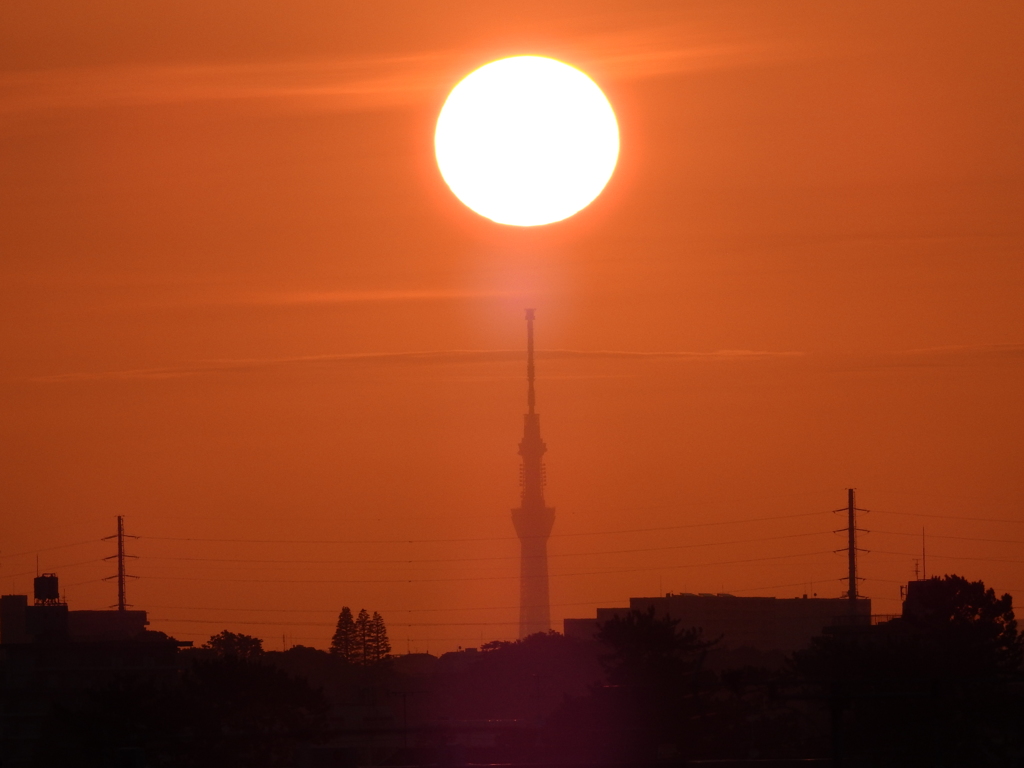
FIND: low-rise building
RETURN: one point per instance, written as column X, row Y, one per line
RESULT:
column 761, row 623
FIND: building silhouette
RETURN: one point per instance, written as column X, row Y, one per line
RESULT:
column 533, row 519
column 758, row 623
column 52, row 659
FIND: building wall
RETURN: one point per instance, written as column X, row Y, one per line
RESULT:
column 12, row 619
column 762, row 623
column 106, row 625
column 24, row 623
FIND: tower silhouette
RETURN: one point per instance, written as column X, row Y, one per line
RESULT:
column 533, row 520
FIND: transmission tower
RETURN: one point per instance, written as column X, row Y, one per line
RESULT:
column 121, row 576
column 533, row 519
column 851, row 530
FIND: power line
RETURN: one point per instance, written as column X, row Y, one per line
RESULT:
column 512, row 538
column 50, row 549
column 581, row 554
column 425, row 640
column 90, row 581
column 482, row 538
column 332, row 624
column 433, row 560
column 383, row 610
column 950, row 517
column 486, row 559
column 482, row 578
column 958, row 538
column 950, row 557
column 94, row 561
column 438, row 610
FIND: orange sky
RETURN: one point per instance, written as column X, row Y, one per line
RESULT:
column 223, row 234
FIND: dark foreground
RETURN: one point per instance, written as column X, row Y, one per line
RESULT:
column 938, row 688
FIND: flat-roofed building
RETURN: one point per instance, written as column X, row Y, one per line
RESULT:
column 761, row 623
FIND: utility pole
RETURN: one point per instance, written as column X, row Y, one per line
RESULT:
column 851, row 549
column 121, row 575
column 851, row 527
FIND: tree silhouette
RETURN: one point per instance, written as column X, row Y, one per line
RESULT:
column 343, row 643
column 937, row 684
column 363, row 638
column 649, row 651
column 239, row 646
column 380, row 646
column 951, row 629
column 970, row 631
column 653, row 670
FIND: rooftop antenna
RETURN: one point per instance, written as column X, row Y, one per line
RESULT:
column 121, row 576
column 924, row 557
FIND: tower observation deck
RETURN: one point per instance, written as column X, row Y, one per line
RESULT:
column 533, row 520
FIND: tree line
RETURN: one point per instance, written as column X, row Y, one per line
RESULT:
column 361, row 640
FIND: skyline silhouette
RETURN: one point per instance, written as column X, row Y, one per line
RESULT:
column 666, row 682
column 415, row 624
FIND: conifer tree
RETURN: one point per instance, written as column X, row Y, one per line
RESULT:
column 344, row 641
column 381, row 646
column 363, row 653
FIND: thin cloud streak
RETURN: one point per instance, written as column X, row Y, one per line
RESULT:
column 337, row 84
column 940, row 356
column 349, row 297
column 448, row 357
column 975, row 350
column 946, row 357
column 354, row 84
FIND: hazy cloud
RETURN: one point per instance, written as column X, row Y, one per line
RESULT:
column 449, row 357
column 933, row 357
column 352, row 84
column 961, row 355
column 288, row 298
column 941, row 356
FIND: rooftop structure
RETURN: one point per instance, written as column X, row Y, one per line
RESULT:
column 50, row 621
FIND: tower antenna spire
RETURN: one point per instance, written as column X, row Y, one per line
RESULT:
column 533, row 518
column 531, row 395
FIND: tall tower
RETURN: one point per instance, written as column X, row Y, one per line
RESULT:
column 533, row 519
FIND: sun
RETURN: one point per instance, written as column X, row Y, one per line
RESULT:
column 526, row 141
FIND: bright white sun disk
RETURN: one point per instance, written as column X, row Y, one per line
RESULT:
column 526, row 141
